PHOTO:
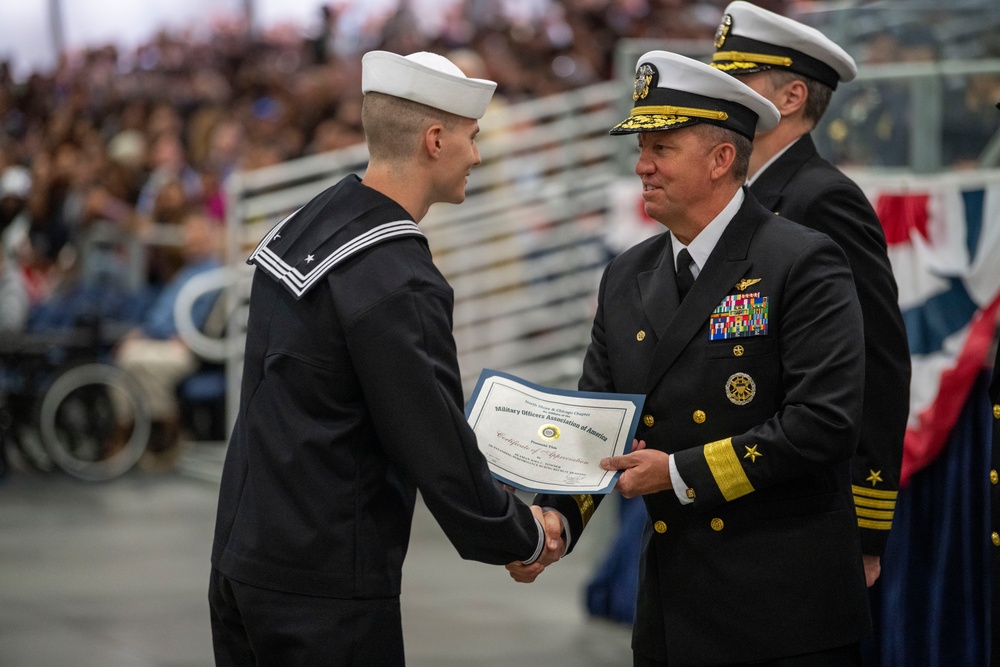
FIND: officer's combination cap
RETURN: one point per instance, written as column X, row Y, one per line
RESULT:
column 672, row 91
column 751, row 39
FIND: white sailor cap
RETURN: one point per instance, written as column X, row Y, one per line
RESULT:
column 426, row 78
column 673, row 91
column 751, row 39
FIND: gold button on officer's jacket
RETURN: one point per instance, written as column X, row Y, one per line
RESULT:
column 699, row 417
column 738, row 351
column 648, row 420
column 996, row 410
column 994, row 477
column 717, row 524
column 996, row 540
column 661, row 527
column 641, row 336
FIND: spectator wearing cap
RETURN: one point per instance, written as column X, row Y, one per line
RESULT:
column 352, row 398
column 743, row 331
column 797, row 68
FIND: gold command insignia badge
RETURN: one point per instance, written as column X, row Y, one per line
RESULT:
column 724, row 27
column 548, row 432
column 643, row 77
column 746, row 282
column 740, row 388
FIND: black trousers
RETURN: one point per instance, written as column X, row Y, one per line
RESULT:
column 842, row 656
column 257, row 626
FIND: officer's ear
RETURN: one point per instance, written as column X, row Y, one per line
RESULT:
column 791, row 97
column 723, row 157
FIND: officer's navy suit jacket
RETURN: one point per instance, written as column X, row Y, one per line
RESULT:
column 802, row 186
column 352, row 400
column 766, row 561
column 994, row 393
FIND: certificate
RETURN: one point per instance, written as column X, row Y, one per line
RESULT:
column 550, row 440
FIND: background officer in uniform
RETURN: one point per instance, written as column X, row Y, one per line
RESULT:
column 994, row 393
column 743, row 331
column 797, row 69
column 352, row 400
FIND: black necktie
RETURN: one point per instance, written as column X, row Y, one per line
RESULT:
column 684, row 276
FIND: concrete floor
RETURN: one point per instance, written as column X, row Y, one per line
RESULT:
column 102, row 575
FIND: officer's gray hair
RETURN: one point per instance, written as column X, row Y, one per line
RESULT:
column 393, row 125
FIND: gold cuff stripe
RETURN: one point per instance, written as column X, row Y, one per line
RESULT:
column 874, row 514
column 874, row 525
column 861, row 501
column 873, row 493
column 726, row 469
column 586, row 504
column 756, row 58
column 678, row 111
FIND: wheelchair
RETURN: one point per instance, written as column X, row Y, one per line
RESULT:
column 62, row 406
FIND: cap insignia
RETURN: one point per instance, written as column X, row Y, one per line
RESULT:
column 724, row 27
column 643, row 79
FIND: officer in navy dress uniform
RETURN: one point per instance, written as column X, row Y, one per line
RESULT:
column 744, row 332
column 351, row 398
column 995, row 508
column 994, row 393
column 797, row 68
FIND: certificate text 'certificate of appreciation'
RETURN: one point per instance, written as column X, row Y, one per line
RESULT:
column 550, row 440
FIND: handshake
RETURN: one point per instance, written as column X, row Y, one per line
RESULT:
column 555, row 546
column 643, row 471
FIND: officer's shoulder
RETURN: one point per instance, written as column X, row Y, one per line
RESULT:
column 818, row 175
column 789, row 234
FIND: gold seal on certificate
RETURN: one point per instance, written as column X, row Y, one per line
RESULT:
column 550, row 440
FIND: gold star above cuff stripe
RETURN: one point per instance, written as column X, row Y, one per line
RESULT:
column 752, row 453
column 875, row 477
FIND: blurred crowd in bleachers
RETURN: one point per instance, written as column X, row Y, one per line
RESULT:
column 117, row 143
column 101, row 158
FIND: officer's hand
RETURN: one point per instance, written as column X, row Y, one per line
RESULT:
column 555, row 543
column 873, row 568
column 644, row 471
